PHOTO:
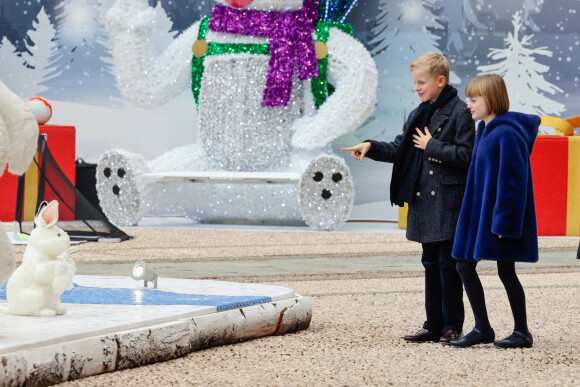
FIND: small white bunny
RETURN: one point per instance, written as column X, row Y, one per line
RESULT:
column 46, row 270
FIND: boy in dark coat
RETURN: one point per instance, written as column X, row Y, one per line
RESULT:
column 431, row 158
column 498, row 218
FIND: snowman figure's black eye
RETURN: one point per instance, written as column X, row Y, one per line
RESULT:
column 336, row 177
column 318, row 176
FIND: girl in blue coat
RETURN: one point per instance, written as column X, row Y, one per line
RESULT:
column 498, row 219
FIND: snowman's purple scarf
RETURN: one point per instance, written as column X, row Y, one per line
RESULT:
column 291, row 43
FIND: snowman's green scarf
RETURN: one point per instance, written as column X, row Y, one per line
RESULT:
column 321, row 89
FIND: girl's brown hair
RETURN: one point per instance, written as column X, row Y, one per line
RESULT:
column 492, row 88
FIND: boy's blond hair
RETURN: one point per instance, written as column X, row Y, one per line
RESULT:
column 435, row 63
column 493, row 90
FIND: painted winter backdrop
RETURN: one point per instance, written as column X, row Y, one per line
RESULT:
column 61, row 50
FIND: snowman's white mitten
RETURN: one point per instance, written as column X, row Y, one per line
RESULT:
column 135, row 15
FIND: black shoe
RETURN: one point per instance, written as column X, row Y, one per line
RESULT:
column 474, row 337
column 516, row 340
column 450, row 334
column 424, row 335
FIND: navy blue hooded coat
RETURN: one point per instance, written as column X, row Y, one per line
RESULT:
column 499, row 196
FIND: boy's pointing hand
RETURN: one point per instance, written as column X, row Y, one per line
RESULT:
column 359, row 151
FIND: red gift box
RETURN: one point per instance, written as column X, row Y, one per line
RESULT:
column 61, row 143
column 556, row 174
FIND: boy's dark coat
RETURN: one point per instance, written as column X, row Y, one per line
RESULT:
column 499, row 199
column 434, row 210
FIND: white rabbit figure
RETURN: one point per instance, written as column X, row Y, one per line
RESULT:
column 239, row 130
column 46, row 270
column 18, row 141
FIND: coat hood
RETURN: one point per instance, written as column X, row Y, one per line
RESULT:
column 526, row 125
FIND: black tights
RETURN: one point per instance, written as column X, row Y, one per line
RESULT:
column 512, row 285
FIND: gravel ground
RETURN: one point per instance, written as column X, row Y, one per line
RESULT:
column 186, row 245
column 355, row 338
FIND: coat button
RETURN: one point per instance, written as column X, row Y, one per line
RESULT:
column 418, row 193
column 431, row 173
column 439, row 129
column 432, row 193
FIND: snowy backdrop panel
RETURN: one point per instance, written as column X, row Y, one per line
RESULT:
column 62, row 50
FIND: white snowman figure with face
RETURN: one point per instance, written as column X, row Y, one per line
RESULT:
column 36, row 286
column 274, row 86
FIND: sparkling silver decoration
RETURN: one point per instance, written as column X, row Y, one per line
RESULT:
column 326, row 193
column 244, row 204
column 236, row 133
column 120, row 186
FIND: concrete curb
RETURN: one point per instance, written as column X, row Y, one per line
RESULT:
column 137, row 347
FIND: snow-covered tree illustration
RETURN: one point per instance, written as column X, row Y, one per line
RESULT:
column 524, row 76
column 36, row 57
column 402, row 33
column 80, row 61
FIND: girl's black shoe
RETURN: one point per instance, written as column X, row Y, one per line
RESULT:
column 474, row 337
column 516, row 340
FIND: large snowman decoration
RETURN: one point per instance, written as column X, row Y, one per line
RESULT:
column 274, row 85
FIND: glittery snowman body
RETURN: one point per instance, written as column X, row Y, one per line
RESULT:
column 236, row 132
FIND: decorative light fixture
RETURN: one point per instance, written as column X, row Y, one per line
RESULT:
column 140, row 271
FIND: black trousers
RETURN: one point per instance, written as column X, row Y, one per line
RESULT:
column 443, row 288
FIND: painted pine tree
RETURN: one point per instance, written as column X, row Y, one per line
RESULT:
column 41, row 45
column 80, row 60
column 523, row 75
